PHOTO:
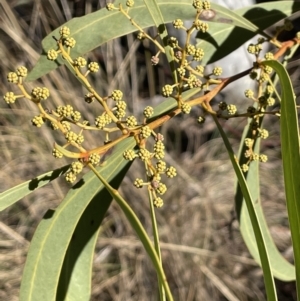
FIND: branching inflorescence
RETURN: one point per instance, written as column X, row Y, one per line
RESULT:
column 114, row 118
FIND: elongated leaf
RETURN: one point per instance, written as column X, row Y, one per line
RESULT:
column 281, row 268
column 53, row 236
column 141, row 232
column 97, row 28
column 290, row 158
column 261, row 244
column 14, row 194
column 223, row 39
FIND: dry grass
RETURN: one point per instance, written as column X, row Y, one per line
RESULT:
column 203, row 253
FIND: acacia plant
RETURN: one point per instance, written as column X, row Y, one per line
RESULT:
column 67, row 275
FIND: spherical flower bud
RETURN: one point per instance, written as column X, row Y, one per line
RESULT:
column 251, row 49
column 129, row 3
column 80, row 139
column 178, row 23
column 160, row 154
column 21, row 71
column 141, row 35
column 129, row 155
column 131, row 121
column 76, row 167
column 117, row 95
column 9, row 97
column 93, row 67
column 158, row 202
column 80, row 62
column 71, row 136
column 144, row 154
column 159, row 146
column 40, row 93
column 201, row 119
column 190, row 49
column 161, row 166
column 255, row 157
column 249, row 142
column 161, row 189
column 146, row 132
column 263, row 158
column 263, row 134
column 148, row 112
column 244, row 168
column 138, row 183
column 249, row 93
column 206, row 5
column 120, row 113
column 64, row 31
column 100, row 122
column 223, row 105
column 253, row 74
column 269, row 89
column 271, row 101
column 198, row 55
column 70, row 177
column 167, row 90
column 197, row 4
column 94, row 158
column 89, row 98
column 173, row 42
column 70, row 42
column 37, row 121
column 171, row 172
column 217, row 71
column 251, row 110
column 185, row 108
column 57, row 154
column 76, row 116
column 181, row 71
column 268, row 69
column 121, row 105
column 12, row 77
column 264, row 77
column 231, row 109
column 199, row 68
column 110, row 6
column 66, row 125
column 52, row 55
column 269, row 56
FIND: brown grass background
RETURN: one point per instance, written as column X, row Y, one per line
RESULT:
column 203, row 253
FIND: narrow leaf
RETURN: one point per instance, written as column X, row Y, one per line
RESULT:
column 53, row 236
column 280, row 267
column 268, row 276
column 14, row 194
column 141, row 232
column 290, row 158
column 89, row 31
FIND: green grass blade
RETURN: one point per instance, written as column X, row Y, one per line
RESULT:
column 89, row 34
column 141, row 232
column 290, row 158
column 268, row 276
column 53, row 236
column 281, row 268
column 222, row 39
column 14, row 194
